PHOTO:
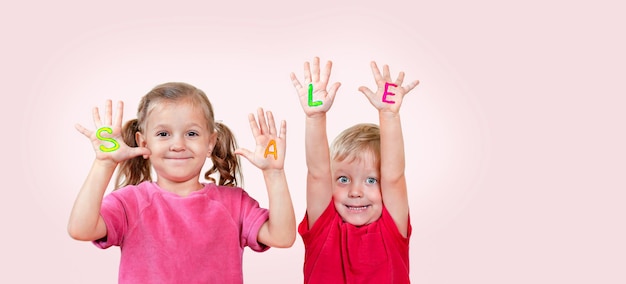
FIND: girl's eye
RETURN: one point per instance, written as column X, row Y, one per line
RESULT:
column 193, row 133
column 161, row 134
column 371, row 180
column 343, row 179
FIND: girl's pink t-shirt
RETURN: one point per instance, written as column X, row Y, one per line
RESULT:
column 165, row 238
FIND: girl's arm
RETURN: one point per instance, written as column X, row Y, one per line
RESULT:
column 269, row 156
column 388, row 99
column 85, row 222
column 315, row 102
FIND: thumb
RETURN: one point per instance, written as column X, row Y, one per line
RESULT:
column 140, row 151
column 366, row 91
column 333, row 90
column 245, row 153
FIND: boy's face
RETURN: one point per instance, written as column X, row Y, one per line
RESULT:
column 356, row 189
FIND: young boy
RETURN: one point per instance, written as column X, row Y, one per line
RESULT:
column 356, row 228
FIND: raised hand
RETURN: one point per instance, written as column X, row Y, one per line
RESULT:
column 314, row 97
column 269, row 152
column 107, row 138
column 389, row 94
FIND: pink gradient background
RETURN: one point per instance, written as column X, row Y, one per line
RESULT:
column 515, row 136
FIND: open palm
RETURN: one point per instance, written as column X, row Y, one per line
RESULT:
column 107, row 139
column 389, row 94
column 269, row 152
column 313, row 96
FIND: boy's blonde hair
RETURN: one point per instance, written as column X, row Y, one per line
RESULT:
column 355, row 141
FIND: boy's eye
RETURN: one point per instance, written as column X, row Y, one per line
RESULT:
column 161, row 133
column 371, row 180
column 343, row 179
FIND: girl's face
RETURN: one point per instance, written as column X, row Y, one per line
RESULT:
column 179, row 141
column 356, row 190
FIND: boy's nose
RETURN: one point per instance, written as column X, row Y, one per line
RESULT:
column 355, row 192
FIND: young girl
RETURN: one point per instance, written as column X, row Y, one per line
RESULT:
column 356, row 228
column 177, row 229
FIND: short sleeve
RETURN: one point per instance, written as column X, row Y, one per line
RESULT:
column 320, row 225
column 113, row 213
column 253, row 217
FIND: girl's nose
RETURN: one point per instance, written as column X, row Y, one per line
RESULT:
column 178, row 144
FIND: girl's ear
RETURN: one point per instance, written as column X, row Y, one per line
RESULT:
column 212, row 142
column 141, row 142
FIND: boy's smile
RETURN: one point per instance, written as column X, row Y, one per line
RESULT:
column 356, row 189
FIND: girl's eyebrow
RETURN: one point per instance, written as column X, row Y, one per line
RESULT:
column 165, row 125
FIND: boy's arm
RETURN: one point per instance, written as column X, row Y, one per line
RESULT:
column 388, row 99
column 315, row 102
column 85, row 222
column 269, row 156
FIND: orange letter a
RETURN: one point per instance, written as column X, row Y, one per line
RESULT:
column 267, row 149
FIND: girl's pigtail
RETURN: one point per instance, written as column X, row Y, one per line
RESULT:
column 225, row 162
column 135, row 170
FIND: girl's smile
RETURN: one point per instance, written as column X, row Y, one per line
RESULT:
column 179, row 140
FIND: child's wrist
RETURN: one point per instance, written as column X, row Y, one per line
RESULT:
column 107, row 163
column 388, row 114
column 317, row 115
column 273, row 172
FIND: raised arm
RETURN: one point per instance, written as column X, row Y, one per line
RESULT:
column 387, row 100
column 85, row 222
column 316, row 101
column 269, row 156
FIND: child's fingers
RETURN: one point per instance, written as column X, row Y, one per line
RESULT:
column 333, row 91
column 253, row 126
column 400, row 79
column 316, row 69
column 307, row 72
column 271, row 123
column 95, row 114
column 410, row 86
column 295, row 82
column 386, row 73
column 245, row 153
column 140, row 151
column 283, row 130
column 262, row 121
column 327, row 69
column 83, row 130
column 366, row 91
column 375, row 71
column 108, row 113
column 120, row 114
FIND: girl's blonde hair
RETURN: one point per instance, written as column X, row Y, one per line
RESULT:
column 354, row 141
column 225, row 162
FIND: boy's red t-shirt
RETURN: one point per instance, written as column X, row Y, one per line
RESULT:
column 339, row 252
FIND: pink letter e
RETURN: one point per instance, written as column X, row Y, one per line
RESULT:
column 386, row 93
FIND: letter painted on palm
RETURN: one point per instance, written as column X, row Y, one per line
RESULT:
column 274, row 152
column 111, row 140
column 387, row 93
column 311, row 102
